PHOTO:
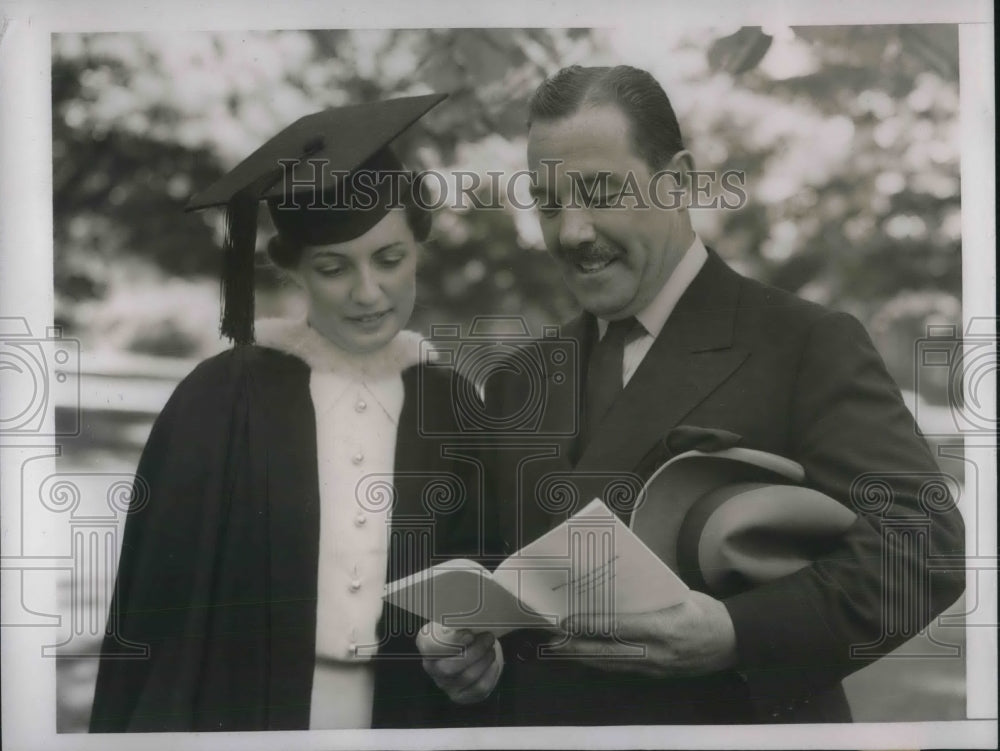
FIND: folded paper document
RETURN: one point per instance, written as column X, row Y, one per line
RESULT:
column 591, row 563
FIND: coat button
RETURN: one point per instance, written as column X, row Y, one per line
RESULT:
column 360, row 405
column 358, row 458
column 355, row 585
column 360, row 519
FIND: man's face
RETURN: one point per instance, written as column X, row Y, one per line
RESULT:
column 614, row 258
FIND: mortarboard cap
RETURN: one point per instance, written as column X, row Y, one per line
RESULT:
column 306, row 173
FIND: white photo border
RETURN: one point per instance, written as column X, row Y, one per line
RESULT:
column 26, row 290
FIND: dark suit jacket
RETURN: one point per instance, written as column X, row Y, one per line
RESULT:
column 792, row 378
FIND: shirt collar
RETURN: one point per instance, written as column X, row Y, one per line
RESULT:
column 654, row 316
column 295, row 336
column 377, row 373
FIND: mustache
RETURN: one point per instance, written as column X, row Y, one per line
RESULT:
column 590, row 251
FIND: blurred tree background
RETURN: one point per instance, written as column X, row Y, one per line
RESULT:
column 847, row 136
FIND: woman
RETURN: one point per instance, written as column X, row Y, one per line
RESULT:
column 253, row 569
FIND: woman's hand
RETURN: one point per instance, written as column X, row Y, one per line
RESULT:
column 464, row 665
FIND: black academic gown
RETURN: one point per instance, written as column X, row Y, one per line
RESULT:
column 218, row 575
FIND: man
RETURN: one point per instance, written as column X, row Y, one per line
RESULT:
column 671, row 336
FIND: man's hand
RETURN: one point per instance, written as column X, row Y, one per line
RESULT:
column 693, row 638
column 464, row 665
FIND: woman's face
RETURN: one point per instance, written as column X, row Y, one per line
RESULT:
column 362, row 292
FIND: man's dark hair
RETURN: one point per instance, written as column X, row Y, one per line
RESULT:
column 654, row 131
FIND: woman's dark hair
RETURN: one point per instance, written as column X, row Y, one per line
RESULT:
column 654, row 131
column 285, row 252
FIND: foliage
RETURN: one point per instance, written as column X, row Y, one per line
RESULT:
column 862, row 209
column 847, row 137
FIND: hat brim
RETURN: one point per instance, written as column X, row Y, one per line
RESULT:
column 743, row 535
column 675, row 487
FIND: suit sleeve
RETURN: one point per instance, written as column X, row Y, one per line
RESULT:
column 859, row 444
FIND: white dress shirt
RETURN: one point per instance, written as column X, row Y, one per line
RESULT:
column 654, row 316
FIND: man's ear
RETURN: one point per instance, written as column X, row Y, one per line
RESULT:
column 672, row 182
column 682, row 164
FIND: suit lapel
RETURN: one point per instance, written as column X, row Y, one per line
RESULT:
column 693, row 355
column 539, row 466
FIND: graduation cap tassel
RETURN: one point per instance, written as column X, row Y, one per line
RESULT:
column 238, row 267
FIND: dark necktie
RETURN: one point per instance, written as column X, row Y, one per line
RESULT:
column 604, row 371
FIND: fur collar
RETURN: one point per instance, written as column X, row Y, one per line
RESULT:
column 295, row 337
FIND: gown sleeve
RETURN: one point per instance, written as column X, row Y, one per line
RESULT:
column 164, row 581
